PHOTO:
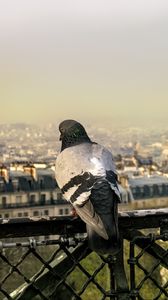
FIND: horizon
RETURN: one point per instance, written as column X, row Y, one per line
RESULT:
column 96, row 126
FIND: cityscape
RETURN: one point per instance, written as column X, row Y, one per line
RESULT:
column 31, row 142
column 27, row 168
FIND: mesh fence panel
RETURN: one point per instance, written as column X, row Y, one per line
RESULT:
column 63, row 267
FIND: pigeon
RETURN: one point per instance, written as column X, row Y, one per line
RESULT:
column 85, row 172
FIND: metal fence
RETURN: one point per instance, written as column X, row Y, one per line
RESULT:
column 49, row 259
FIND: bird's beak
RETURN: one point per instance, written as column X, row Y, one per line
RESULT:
column 61, row 137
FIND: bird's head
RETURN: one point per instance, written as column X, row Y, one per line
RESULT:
column 72, row 133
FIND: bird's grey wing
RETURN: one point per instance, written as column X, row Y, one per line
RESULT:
column 111, row 174
column 76, row 171
column 81, row 202
column 76, row 184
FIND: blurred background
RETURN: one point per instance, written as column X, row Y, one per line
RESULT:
column 97, row 61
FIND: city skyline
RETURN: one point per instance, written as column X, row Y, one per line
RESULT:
column 103, row 62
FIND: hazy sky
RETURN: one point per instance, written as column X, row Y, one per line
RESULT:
column 84, row 59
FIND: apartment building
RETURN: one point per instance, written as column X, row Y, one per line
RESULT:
column 26, row 191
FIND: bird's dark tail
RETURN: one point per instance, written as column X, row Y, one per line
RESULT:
column 110, row 221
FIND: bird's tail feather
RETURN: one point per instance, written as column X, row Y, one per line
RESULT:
column 91, row 218
column 99, row 244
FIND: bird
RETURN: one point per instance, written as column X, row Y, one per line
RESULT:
column 85, row 172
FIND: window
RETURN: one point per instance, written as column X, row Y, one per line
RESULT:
column 41, row 183
column 155, row 190
column 6, row 215
column 137, row 193
column 163, row 189
column 25, row 214
column 15, row 184
column 19, row 214
column 66, row 211
column 4, row 201
column 46, row 212
column 36, row 213
column 32, row 199
column 43, row 199
column 61, row 211
column 146, row 191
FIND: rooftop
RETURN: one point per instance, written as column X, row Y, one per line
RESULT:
column 147, row 180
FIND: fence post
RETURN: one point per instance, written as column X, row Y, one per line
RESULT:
column 120, row 279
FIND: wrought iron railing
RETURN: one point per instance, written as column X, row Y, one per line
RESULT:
column 49, row 259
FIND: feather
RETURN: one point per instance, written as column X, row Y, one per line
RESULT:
column 85, row 173
column 90, row 217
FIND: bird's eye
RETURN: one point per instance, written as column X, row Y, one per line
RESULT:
column 61, row 130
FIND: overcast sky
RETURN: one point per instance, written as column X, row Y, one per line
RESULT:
column 89, row 60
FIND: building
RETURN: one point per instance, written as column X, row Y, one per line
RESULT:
column 145, row 191
column 151, row 186
column 29, row 192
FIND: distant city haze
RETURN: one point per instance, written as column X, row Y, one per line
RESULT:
column 95, row 61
